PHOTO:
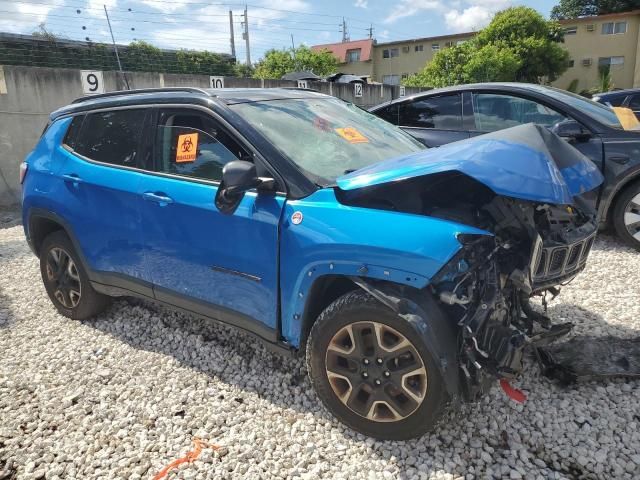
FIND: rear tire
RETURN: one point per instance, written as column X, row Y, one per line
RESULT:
column 626, row 216
column 373, row 371
column 66, row 280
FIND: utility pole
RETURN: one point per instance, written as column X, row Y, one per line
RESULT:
column 233, row 42
column 115, row 48
column 370, row 31
column 345, row 34
column 245, row 35
column 293, row 46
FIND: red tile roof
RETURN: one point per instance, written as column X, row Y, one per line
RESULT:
column 340, row 49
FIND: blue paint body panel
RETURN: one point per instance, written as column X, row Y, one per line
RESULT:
column 508, row 168
column 337, row 239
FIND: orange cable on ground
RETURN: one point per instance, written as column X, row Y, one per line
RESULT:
column 188, row 458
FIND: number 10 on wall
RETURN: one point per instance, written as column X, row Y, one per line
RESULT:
column 92, row 82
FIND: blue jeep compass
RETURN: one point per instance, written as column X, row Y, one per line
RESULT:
column 404, row 274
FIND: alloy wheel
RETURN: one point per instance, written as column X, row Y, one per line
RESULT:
column 632, row 217
column 63, row 274
column 376, row 371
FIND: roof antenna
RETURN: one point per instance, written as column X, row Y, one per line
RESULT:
column 115, row 48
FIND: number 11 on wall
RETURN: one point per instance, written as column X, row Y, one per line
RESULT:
column 92, row 82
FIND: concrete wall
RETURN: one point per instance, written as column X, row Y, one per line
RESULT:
column 29, row 94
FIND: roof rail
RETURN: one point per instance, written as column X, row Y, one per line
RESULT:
column 144, row 90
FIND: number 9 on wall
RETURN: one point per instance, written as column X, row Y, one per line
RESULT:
column 92, row 82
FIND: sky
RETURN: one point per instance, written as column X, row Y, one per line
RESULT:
column 204, row 25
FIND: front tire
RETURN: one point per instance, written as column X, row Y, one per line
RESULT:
column 626, row 216
column 373, row 371
column 66, row 280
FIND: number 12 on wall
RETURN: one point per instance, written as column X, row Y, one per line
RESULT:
column 92, row 82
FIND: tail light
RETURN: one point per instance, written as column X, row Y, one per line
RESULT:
column 24, row 166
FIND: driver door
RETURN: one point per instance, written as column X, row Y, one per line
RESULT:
column 219, row 265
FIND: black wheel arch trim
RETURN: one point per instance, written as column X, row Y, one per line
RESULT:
column 607, row 203
column 436, row 331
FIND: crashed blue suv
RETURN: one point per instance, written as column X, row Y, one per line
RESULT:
column 405, row 274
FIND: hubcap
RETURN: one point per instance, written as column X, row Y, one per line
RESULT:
column 63, row 273
column 632, row 217
column 376, row 371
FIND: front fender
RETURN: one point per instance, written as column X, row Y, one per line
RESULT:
column 335, row 239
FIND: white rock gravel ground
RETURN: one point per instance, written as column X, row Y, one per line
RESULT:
column 123, row 395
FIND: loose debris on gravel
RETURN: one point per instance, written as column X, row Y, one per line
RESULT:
column 124, row 395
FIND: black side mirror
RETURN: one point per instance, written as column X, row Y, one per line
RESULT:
column 238, row 177
column 571, row 130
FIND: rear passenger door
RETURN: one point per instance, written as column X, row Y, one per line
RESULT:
column 104, row 152
column 434, row 121
column 219, row 265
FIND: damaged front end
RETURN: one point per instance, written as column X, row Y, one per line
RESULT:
column 487, row 286
column 532, row 195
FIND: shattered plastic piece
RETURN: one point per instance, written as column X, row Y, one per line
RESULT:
column 511, row 392
column 591, row 358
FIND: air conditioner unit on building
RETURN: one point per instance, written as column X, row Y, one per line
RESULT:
column 586, row 62
column 591, row 27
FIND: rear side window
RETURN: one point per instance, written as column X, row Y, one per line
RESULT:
column 634, row 102
column 71, row 137
column 193, row 145
column 443, row 112
column 390, row 113
column 112, row 137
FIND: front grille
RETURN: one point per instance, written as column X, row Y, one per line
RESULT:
column 559, row 261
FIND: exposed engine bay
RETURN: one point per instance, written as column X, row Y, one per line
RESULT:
column 533, row 249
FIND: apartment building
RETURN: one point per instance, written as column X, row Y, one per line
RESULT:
column 607, row 40
column 591, row 41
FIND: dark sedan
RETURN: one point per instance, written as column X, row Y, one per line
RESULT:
column 629, row 98
column 446, row 115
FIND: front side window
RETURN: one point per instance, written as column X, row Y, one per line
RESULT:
column 338, row 137
column 353, row 55
column 495, row 112
column 112, row 137
column 443, row 112
column 634, row 103
column 389, row 113
column 191, row 144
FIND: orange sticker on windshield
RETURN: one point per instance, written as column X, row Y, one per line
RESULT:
column 352, row 135
column 187, row 148
column 627, row 118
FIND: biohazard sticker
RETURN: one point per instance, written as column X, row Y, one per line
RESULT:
column 352, row 135
column 187, row 148
column 296, row 218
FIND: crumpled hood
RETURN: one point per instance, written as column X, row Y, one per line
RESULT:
column 527, row 162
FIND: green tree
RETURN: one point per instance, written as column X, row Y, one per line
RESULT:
column 584, row 8
column 518, row 45
column 277, row 63
column 243, row 70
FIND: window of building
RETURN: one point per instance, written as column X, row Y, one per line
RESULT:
column 435, row 47
column 390, row 53
column 571, row 63
column 191, row 144
column 391, row 79
column 443, row 112
column 419, row 48
column 112, row 137
column 405, row 76
column 496, row 112
column 353, row 55
column 614, row 28
column 610, row 61
column 460, row 42
column 571, row 30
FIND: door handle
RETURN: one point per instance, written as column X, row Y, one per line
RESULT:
column 159, row 197
column 72, row 177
